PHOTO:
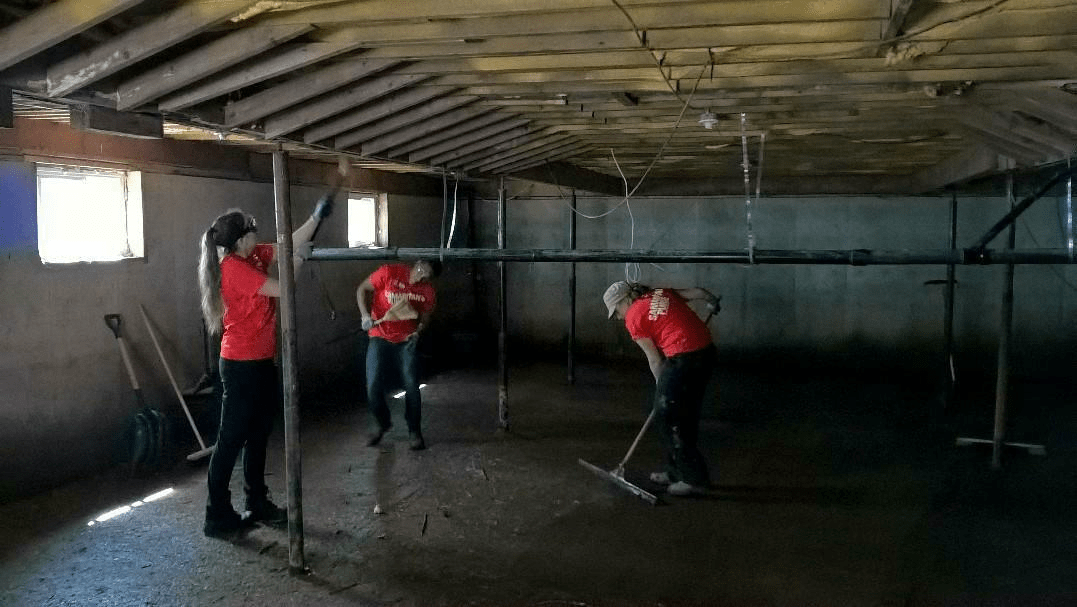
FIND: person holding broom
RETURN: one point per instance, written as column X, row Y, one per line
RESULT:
column 396, row 303
column 239, row 302
column 681, row 356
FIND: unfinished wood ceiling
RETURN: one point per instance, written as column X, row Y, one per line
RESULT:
column 656, row 96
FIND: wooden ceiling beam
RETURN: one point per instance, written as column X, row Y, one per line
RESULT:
column 461, row 153
column 429, row 136
column 208, row 59
column 899, row 10
column 960, row 168
column 260, row 69
column 549, row 158
column 531, row 142
column 466, row 138
column 427, row 119
column 370, row 112
column 409, row 117
column 54, row 23
column 551, row 146
column 179, row 24
column 330, row 105
column 301, row 88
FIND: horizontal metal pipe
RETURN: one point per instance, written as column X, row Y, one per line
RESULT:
column 852, row 257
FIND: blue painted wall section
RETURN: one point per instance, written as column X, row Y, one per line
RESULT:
column 18, row 209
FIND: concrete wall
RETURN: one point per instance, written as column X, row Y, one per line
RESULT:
column 66, row 401
column 857, row 318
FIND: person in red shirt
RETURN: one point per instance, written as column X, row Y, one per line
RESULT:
column 239, row 302
column 681, row 356
column 396, row 303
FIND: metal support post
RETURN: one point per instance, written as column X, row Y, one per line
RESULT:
column 572, row 294
column 1002, row 379
column 948, row 322
column 502, row 336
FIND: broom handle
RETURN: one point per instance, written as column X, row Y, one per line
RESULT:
column 171, row 379
column 632, row 449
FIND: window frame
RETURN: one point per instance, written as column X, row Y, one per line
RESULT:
column 134, row 222
column 381, row 219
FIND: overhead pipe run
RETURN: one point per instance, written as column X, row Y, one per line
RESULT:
column 851, row 257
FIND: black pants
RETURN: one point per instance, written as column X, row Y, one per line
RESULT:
column 678, row 403
column 384, row 361
column 250, row 402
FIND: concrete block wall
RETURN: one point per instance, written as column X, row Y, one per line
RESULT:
column 857, row 318
column 66, row 401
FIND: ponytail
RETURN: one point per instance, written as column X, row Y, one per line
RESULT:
column 209, row 283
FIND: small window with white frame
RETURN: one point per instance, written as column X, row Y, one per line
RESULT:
column 366, row 220
column 88, row 214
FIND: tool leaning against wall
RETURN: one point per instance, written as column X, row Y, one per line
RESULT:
column 203, row 451
column 149, row 427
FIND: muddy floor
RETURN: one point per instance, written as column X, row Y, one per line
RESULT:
column 829, row 491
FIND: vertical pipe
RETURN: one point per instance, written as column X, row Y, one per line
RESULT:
column 502, row 356
column 572, row 294
column 948, row 322
column 444, row 208
column 286, row 271
column 1069, row 215
column 1005, row 331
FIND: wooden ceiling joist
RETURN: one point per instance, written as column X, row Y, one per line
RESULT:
column 178, row 25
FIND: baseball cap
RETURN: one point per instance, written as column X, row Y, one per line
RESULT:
column 613, row 295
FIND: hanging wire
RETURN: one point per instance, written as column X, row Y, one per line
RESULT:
column 632, row 273
column 452, row 228
column 653, row 162
column 1069, row 212
column 747, row 188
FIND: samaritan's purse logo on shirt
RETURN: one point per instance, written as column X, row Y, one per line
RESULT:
column 659, row 305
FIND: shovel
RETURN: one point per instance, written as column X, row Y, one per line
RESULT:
column 149, row 424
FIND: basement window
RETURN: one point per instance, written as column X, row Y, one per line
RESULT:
column 88, row 214
column 366, row 220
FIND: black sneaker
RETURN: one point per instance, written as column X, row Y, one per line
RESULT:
column 416, row 442
column 267, row 512
column 376, row 437
column 225, row 524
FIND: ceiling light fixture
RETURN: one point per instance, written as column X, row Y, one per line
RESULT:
column 708, row 120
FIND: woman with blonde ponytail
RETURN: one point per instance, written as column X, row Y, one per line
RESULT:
column 239, row 303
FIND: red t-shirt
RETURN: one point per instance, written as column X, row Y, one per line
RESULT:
column 664, row 317
column 250, row 327
column 391, row 286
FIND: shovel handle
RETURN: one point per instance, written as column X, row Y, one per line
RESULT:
column 113, row 321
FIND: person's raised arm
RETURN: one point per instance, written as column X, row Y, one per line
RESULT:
column 303, row 236
column 699, row 294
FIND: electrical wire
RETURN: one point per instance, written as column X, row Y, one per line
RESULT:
column 455, row 205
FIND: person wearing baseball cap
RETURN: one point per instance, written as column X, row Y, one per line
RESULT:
column 681, row 356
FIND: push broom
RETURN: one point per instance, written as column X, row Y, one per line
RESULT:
column 617, row 475
column 204, row 450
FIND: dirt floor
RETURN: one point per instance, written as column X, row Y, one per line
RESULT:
column 830, row 491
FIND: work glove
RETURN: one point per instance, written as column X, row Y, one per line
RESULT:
column 304, row 250
column 714, row 303
column 324, row 208
column 368, row 323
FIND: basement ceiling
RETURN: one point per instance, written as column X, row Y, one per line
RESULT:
column 646, row 96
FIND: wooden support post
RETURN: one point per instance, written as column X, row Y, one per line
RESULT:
column 289, row 364
column 7, row 109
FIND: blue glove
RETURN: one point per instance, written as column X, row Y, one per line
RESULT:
column 368, row 323
column 324, row 208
